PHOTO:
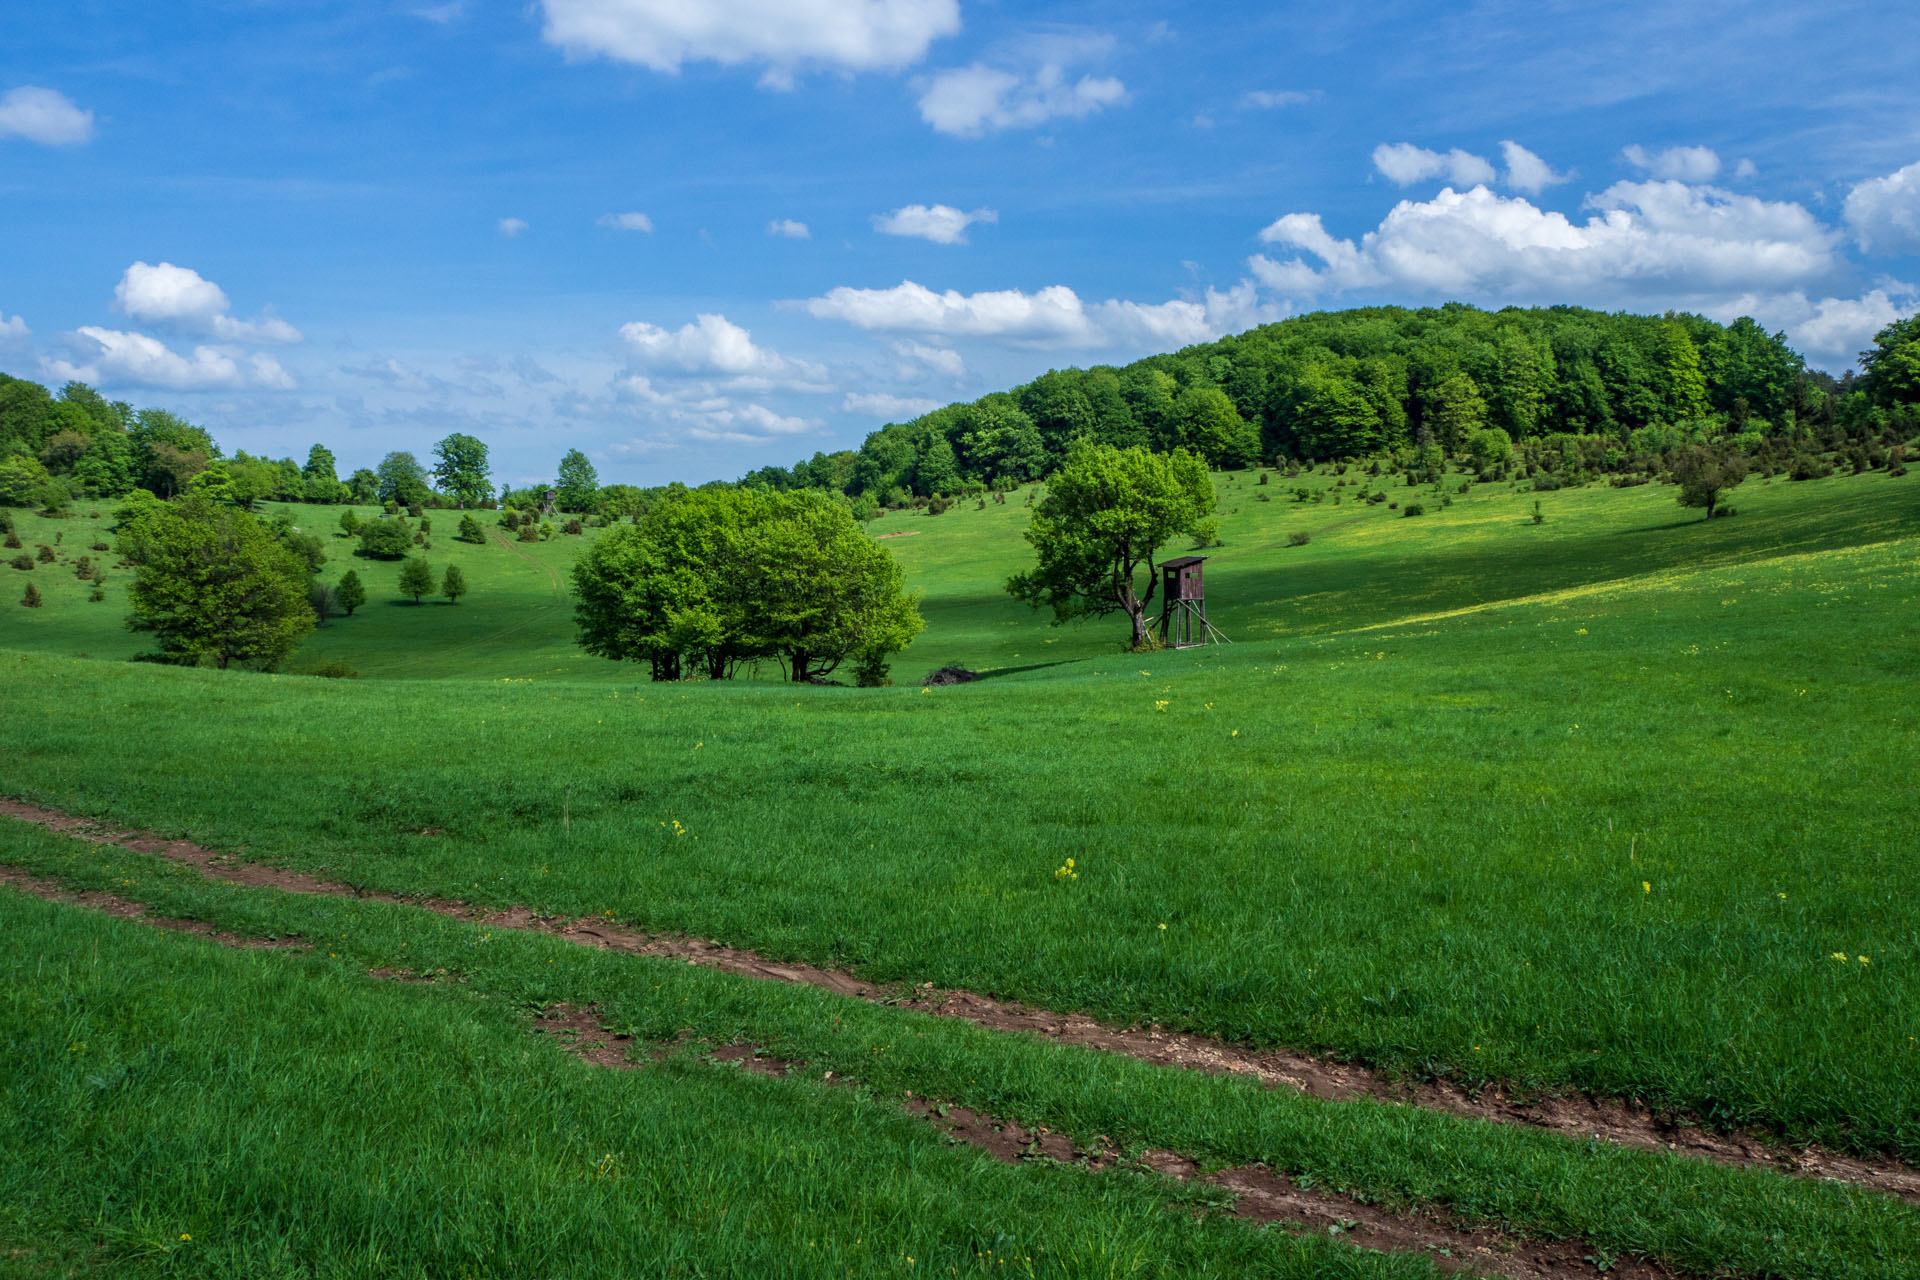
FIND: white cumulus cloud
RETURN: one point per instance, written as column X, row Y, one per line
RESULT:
column 789, row 229
column 114, row 357
column 1884, row 213
column 940, row 223
column 979, row 99
column 180, row 296
column 1051, row 317
column 919, row 355
column 1404, row 164
column 46, row 116
column 511, row 227
column 1526, row 171
column 625, row 222
column 1644, row 242
column 713, row 346
column 1676, row 164
column 12, row 328
column 882, row 404
column 783, row 36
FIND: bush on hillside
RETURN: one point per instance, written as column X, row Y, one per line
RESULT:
column 22, row 561
column 470, row 530
column 385, row 539
column 1414, row 509
column 1299, row 538
column 31, row 600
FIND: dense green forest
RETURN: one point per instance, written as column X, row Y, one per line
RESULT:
column 1563, row 394
column 1571, row 390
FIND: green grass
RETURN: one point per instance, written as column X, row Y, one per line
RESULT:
column 424, row 1070
column 1592, row 803
column 175, row 1109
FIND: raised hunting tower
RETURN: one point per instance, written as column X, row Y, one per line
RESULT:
column 1183, row 607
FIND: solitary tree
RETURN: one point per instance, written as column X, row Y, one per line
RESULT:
column 470, row 530
column 352, row 592
column 211, row 582
column 1105, row 517
column 349, row 522
column 32, row 598
column 1703, row 474
column 401, row 480
column 460, row 468
column 416, row 578
column 579, row 483
column 453, row 585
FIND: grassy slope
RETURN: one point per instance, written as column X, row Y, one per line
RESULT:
column 1546, row 841
column 128, row 1002
column 174, row 1109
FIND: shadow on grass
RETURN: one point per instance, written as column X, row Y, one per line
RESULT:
column 996, row 672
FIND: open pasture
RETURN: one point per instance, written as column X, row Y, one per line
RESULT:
column 1622, row 801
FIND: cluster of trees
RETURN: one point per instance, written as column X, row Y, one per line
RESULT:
column 56, row 448
column 713, row 579
column 1380, row 380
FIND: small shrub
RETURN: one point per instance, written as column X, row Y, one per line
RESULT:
column 1414, row 509
column 45, row 554
column 426, row 525
column 1263, row 478
column 1263, row 497
column 336, row 670
column 13, row 540
column 1465, row 485
column 98, row 593
column 1539, row 516
column 1808, row 467
column 384, row 539
column 1299, row 538
column 510, row 520
column 870, row 669
column 22, row 561
column 573, row 526
column 1392, row 506
column 83, row 568
column 1897, row 470
column 100, row 546
column 546, row 530
column 1720, row 513
column 390, row 509
column 419, row 539
column 470, row 530
column 31, row 600
column 413, row 509
column 939, row 504
column 349, row 522
column 529, row 531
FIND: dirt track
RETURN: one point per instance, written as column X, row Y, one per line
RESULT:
column 1258, row 1194
column 1604, row 1119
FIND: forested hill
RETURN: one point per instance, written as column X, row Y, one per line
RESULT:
column 1370, row 380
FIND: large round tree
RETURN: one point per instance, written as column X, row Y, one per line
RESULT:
column 211, row 582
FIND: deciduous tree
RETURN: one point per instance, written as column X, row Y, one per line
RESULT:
column 416, row 578
column 1106, row 515
column 211, row 582
column 460, row 469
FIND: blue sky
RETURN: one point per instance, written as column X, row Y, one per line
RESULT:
column 694, row 238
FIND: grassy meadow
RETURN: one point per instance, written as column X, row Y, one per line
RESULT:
column 1621, row 801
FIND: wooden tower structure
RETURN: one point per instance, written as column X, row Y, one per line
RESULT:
column 1183, row 607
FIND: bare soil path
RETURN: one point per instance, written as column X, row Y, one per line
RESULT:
column 1602, row 1119
column 1258, row 1195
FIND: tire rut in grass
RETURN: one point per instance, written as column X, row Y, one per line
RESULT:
column 1253, row 1193
column 1602, row 1119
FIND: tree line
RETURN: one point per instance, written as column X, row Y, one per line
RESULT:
column 1607, row 391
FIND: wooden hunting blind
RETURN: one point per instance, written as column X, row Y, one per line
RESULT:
column 1183, row 605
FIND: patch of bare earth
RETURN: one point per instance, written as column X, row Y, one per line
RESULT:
column 1605, row 1119
column 1255, row 1193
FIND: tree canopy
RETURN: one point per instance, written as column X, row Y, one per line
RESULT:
column 711, row 579
column 211, row 582
column 460, row 470
column 1106, row 515
column 579, row 483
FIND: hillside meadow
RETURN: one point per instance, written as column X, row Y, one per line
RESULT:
column 1618, row 801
